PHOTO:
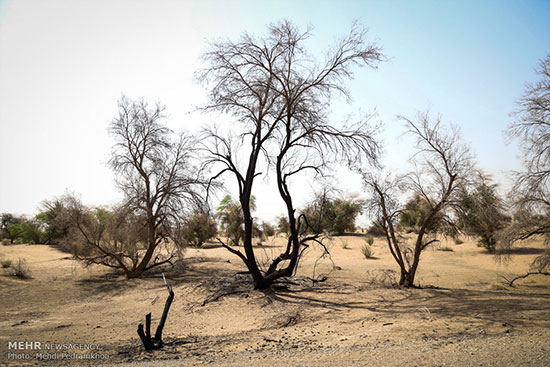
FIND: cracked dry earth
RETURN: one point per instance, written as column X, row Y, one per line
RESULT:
column 463, row 315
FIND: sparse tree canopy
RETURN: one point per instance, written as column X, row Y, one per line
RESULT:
column 532, row 127
column 443, row 164
column 155, row 172
column 51, row 216
column 279, row 96
column 531, row 191
column 160, row 185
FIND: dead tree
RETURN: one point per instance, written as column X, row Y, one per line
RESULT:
column 145, row 336
column 530, row 194
column 278, row 95
column 155, row 172
column 443, row 164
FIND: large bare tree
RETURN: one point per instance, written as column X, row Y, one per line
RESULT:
column 531, row 191
column 155, row 172
column 442, row 165
column 279, row 95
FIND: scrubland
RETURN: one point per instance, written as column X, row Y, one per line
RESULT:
column 338, row 310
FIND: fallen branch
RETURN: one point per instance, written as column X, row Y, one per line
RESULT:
column 511, row 282
column 145, row 336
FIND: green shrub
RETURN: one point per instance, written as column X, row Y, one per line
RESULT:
column 268, row 229
column 6, row 263
column 369, row 240
column 366, row 251
column 482, row 214
column 231, row 219
column 198, row 228
column 332, row 215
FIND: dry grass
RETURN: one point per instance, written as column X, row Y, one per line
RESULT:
column 21, row 269
column 6, row 263
column 366, row 251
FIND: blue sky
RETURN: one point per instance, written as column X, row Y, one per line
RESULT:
column 64, row 64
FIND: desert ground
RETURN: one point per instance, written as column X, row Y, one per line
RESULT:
column 463, row 314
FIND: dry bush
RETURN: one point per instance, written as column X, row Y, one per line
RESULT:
column 21, row 269
column 6, row 263
column 344, row 244
column 366, row 251
column 385, row 278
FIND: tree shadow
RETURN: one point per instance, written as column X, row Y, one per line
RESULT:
column 107, row 284
column 525, row 251
column 521, row 309
column 515, row 309
column 304, row 296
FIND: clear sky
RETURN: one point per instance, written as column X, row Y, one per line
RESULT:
column 64, row 64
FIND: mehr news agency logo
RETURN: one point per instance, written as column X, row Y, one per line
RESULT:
column 25, row 350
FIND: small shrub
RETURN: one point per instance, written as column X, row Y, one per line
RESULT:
column 385, row 278
column 376, row 230
column 5, row 242
column 344, row 244
column 198, row 228
column 366, row 251
column 6, row 263
column 21, row 269
column 369, row 240
column 268, row 229
column 446, row 249
column 458, row 241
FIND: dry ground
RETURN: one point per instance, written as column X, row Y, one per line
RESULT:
column 463, row 315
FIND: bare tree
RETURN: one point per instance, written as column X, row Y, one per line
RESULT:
column 155, row 173
column 531, row 191
column 442, row 165
column 279, row 96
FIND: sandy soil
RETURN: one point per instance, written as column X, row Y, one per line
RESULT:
column 463, row 315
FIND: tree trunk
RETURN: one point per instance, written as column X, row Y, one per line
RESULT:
column 136, row 273
column 261, row 283
column 145, row 336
